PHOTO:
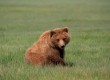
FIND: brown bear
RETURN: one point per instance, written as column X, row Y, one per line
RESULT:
column 49, row 49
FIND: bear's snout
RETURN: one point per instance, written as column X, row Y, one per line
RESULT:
column 62, row 44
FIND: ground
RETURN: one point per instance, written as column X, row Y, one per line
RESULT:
column 23, row 21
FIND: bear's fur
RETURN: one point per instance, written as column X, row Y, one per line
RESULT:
column 49, row 49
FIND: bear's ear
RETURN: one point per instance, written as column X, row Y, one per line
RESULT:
column 52, row 33
column 65, row 29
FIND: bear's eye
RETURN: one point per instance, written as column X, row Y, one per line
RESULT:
column 57, row 39
column 64, row 39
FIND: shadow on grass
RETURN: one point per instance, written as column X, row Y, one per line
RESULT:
column 70, row 64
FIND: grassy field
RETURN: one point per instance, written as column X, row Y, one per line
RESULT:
column 23, row 21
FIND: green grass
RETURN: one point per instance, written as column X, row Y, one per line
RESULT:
column 23, row 21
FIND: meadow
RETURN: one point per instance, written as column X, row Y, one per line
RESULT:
column 23, row 21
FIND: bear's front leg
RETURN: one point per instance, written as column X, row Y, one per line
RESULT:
column 56, row 60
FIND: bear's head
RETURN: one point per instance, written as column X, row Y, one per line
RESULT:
column 59, row 37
